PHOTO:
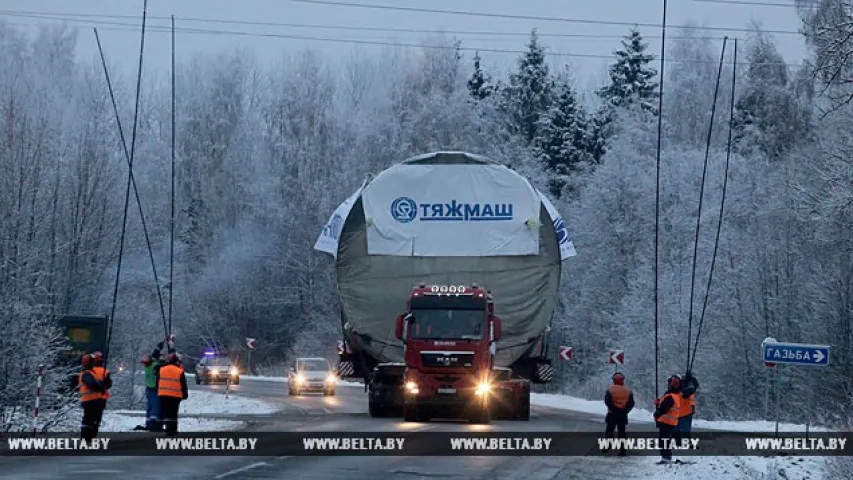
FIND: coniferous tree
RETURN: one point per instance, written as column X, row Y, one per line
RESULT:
column 528, row 95
column 769, row 117
column 563, row 143
column 631, row 77
column 480, row 84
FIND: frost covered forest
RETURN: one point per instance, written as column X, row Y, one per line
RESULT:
column 265, row 154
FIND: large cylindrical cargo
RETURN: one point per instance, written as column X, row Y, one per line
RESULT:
column 446, row 218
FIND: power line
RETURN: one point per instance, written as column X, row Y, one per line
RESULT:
column 531, row 17
column 201, row 31
column 760, row 4
column 71, row 16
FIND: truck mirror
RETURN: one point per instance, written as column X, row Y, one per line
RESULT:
column 496, row 324
column 398, row 330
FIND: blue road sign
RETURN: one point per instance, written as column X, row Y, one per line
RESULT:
column 796, row 354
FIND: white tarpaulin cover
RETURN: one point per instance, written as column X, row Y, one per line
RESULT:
column 373, row 289
column 328, row 241
column 426, row 210
column 567, row 248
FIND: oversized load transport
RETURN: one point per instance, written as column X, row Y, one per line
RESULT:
column 446, row 218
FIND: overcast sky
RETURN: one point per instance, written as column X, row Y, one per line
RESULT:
column 121, row 42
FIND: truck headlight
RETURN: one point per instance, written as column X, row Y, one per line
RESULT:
column 234, row 371
column 214, row 372
column 483, row 388
column 412, row 388
column 331, row 378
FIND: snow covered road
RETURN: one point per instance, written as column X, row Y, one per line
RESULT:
column 275, row 411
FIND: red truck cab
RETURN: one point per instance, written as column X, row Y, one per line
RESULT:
column 449, row 334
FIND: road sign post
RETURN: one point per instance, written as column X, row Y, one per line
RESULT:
column 776, row 354
column 795, row 354
column 566, row 353
column 251, row 343
column 617, row 357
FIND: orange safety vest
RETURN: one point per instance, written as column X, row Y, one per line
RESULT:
column 672, row 415
column 620, row 395
column 689, row 406
column 87, row 394
column 170, row 381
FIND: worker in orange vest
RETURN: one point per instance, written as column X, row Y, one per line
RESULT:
column 171, row 390
column 688, row 395
column 620, row 401
column 94, row 382
column 667, row 415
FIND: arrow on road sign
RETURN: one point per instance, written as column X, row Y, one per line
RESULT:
column 566, row 353
column 796, row 354
column 252, row 343
column 617, row 357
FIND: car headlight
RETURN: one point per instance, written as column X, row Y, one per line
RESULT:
column 483, row 388
column 234, row 371
column 331, row 378
column 215, row 372
column 299, row 379
column 412, row 388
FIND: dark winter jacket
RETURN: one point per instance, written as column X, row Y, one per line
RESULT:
column 620, row 413
column 667, row 403
column 93, row 384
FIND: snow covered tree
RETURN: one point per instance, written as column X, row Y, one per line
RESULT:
column 480, row 84
column 562, row 143
column 631, row 77
column 768, row 115
column 529, row 92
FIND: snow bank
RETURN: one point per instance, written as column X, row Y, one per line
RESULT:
column 565, row 402
column 206, row 402
column 120, row 422
column 713, row 468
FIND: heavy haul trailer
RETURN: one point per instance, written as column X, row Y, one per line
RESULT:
column 441, row 219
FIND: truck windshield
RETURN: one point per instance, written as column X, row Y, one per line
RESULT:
column 447, row 324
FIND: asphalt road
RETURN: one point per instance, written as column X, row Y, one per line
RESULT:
column 347, row 411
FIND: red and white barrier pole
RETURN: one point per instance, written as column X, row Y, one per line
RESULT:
column 38, row 399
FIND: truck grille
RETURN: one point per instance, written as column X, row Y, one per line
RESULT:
column 447, row 359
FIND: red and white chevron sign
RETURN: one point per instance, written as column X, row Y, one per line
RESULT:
column 617, row 357
column 566, row 353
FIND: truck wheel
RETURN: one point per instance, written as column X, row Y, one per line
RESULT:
column 376, row 411
column 410, row 414
column 523, row 412
column 481, row 415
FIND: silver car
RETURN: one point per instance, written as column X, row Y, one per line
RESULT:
column 311, row 375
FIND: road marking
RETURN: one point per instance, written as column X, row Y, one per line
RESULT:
column 87, row 472
column 286, row 456
column 241, row 469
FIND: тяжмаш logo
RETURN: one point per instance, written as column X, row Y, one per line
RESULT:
column 405, row 210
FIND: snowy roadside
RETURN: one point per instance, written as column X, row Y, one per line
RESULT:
column 565, row 402
column 284, row 380
column 194, row 408
column 710, row 468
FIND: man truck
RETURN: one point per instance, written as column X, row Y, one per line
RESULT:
column 401, row 242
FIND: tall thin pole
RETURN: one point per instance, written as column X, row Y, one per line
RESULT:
column 172, row 221
column 129, row 182
column 657, row 197
column 701, row 197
